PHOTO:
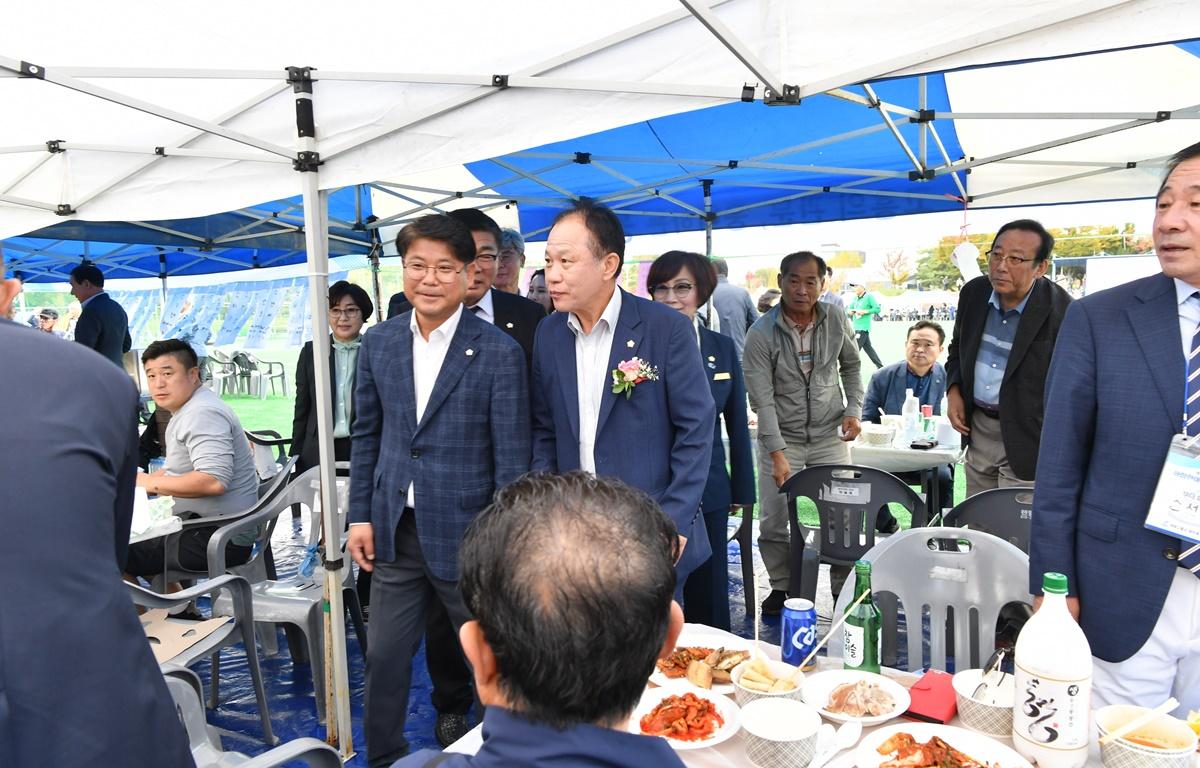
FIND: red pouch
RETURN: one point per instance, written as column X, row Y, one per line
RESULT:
column 932, row 698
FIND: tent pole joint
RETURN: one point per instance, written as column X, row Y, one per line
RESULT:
column 732, row 164
column 1130, row 165
column 924, row 116
column 500, row 81
column 300, row 78
column 32, row 70
column 1161, row 115
column 748, row 92
column 583, row 158
column 307, row 162
column 64, row 209
column 789, row 97
column 54, row 146
column 923, row 175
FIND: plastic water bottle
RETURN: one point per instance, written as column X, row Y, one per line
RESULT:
column 1053, row 684
column 911, row 411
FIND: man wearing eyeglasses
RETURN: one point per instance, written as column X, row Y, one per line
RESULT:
column 1004, row 334
column 441, row 422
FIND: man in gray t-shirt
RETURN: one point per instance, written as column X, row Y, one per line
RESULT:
column 209, row 468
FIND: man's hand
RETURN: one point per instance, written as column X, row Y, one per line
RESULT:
column 850, row 429
column 361, row 543
column 957, row 411
column 780, row 469
column 1072, row 606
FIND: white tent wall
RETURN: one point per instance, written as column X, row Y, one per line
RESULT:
column 114, row 111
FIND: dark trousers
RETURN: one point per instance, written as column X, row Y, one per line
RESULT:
column 706, row 591
column 448, row 670
column 864, row 343
column 402, row 593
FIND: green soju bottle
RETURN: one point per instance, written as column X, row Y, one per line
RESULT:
column 862, row 631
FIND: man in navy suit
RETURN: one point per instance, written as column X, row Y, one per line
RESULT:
column 440, row 423
column 562, row 641
column 921, row 372
column 102, row 325
column 78, row 684
column 655, row 435
column 1117, row 393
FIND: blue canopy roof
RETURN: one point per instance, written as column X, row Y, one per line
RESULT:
column 767, row 164
column 267, row 235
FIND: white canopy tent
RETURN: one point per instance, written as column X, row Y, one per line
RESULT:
column 138, row 110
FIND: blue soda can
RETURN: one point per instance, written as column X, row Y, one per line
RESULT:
column 798, row 635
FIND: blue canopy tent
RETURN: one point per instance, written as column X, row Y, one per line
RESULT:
column 267, row 235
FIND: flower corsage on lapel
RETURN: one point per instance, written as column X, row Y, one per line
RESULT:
column 630, row 373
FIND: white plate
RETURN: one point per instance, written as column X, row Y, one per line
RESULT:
column 729, row 712
column 690, row 638
column 976, row 745
column 818, row 687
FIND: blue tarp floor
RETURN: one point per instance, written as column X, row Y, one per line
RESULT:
column 289, row 686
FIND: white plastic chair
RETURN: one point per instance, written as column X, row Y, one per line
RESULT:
column 974, row 579
column 205, row 743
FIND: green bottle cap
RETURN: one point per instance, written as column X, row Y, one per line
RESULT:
column 1054, row 583
column 862, row 565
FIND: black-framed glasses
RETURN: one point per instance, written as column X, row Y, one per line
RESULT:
column 443, row 272
column 1012, row 261
column 486, row 258
column 349, row 312
column 660, row 292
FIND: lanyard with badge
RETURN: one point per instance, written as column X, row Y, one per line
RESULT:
column 1175, row 508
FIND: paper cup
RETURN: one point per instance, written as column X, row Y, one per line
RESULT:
column 780, row 733
column 1179, row 739
column 744, row 696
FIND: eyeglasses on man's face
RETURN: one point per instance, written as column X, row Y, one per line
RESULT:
column 680, row 290
column 349, row 312
column 443, row 272
column 1012, row 260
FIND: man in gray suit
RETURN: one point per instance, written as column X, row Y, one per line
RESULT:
column 103, row 325
column 441, row 421
column 734, row 306
column 78, row 684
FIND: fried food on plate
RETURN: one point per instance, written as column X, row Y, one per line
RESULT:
column 687, row 718
column 934, row 753
column 692, row 661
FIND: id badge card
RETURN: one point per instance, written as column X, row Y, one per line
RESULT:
column 1175, row 509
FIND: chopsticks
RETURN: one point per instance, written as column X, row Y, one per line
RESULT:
column 1138, row 722
column 835, row 625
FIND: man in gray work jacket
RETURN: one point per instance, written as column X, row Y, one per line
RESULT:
column 802, row 375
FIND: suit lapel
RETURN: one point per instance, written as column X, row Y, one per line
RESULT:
column 627, row 338
column 500, row 309
column 457, row 359
column 567, row 374
column 1154, row 319
column 1037, row 311
column 710, row 355
column 402, row 354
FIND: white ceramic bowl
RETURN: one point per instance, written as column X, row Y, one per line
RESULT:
column 878, row 434
column 994, row 714
column 780, row 732
column 744, row 696
column 1120, row 753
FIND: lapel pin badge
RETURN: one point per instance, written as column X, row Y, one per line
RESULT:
column 712, row 359
column 508, row 325
column 470, row 352
column 629, row 343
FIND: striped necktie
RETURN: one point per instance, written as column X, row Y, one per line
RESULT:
column 1190, row 554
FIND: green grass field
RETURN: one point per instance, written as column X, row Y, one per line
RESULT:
column 275, row 412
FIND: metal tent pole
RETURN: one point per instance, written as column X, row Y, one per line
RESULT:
column 708, row 216
column 316, row 225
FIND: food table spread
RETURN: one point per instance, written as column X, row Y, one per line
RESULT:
column 732, row 751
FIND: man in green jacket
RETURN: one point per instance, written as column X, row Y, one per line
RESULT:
column 861, row 311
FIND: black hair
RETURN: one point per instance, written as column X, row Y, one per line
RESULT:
column 668, row 265
column 571, row 579
column 921, row 324
column 477, row 221
column 1182, row 156
column 608, row 236
column 181, row 350
column 88, row 272
column 1045, row 247
column 342, row 288
column 799, row 257
column 440, row 228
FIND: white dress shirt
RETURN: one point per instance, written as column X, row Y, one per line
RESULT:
column 486, row 309
column 592, row 351
column 428, row 357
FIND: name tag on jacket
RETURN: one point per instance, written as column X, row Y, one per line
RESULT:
column 720, row 376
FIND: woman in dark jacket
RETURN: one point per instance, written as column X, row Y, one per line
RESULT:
column 349, row 308
column 684, row 281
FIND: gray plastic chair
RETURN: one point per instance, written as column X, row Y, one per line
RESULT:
column 270, row 452
column 298, row 602
column 205, row 743
column 848, row 499
column 974, row 579
column 252, row 370
column 240, row 630
column 1003, row 512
